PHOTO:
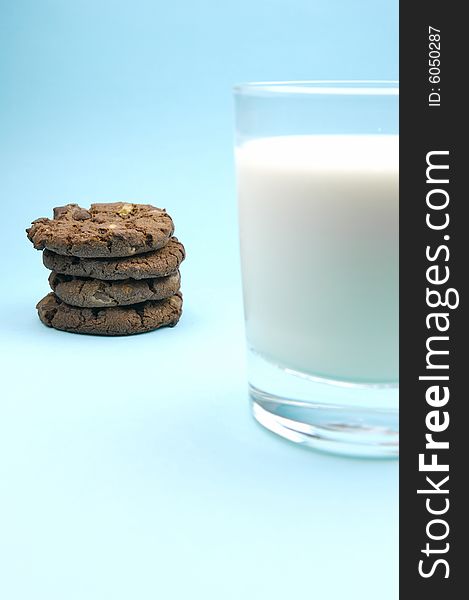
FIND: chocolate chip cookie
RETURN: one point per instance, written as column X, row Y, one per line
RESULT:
column 117, row 320
column 105, row 230
column 91, row 293
column 159, row 263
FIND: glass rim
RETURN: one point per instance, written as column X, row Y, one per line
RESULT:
column 340, row 87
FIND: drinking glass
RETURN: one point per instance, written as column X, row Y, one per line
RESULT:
column 318, row 195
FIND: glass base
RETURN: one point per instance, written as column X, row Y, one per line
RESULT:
column 336, row 417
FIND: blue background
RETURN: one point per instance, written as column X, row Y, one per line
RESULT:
column 131, row 468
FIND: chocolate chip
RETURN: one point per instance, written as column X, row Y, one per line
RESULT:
column 81, row 215
column 62, row 211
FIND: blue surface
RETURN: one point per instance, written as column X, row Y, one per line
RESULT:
column 131, row 468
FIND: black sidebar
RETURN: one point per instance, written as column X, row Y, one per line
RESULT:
column 434, row 330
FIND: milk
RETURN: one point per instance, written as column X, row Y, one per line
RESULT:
column 319, row 250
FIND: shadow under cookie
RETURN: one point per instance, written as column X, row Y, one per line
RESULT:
column 97, row 293
column 118, row 320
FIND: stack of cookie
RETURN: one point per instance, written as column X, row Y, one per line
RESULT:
column 115, row 268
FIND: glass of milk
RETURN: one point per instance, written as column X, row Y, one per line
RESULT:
column 318, row 194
